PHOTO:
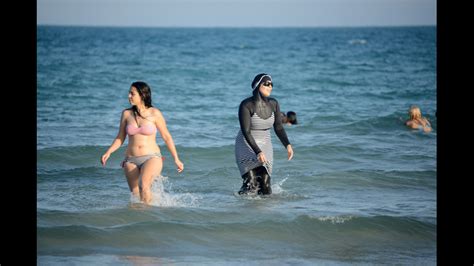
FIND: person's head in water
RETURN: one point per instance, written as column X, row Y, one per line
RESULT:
column 139, row 94
column 417, row 121
column 290, row 118
column 414, row 112
column 263, row 84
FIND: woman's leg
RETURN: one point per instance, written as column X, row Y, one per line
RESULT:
column 149, row 170
column 249, row 184
column 264, row 181
column 132, row 173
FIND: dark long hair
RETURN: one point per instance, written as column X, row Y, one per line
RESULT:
column 145, row 94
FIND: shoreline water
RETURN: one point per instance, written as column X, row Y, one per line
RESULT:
column 361, row 188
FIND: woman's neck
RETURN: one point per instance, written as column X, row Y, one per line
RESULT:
column 141, row 108
column 258, row 96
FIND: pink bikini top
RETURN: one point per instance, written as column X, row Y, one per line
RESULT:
column 144, row 130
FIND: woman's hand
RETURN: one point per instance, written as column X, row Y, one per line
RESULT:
column 290, row 151
column 180, row 165
column 261, row 157
column 104, row 158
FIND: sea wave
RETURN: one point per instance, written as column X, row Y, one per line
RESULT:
column 152, row 230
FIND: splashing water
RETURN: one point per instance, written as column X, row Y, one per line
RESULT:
column 277, row 188
column 162, row 198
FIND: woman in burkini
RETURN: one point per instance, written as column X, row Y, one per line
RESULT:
column 417, row 121
column 253, row 146
column 143, row 158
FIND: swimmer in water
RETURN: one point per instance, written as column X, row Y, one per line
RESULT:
column 289, row 118
column 417, row 121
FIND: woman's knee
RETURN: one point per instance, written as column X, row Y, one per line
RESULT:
column 146, row 196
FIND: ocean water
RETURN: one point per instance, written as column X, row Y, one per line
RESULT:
column 361, row 188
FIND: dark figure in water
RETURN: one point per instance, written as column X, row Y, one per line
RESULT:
column 253, row 146
column 289, row 118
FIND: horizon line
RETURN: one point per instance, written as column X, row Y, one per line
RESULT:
column 242, row 26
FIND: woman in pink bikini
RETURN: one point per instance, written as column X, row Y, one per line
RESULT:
column 143, row 157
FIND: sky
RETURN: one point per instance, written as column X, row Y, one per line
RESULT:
column 236, row 13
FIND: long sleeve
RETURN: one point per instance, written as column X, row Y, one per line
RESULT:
column 244, row 120
column 278, row 126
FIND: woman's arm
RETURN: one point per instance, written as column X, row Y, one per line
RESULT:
column 411, row 124
column 278, row 125
column 427, row 125
column 280, row 130
column 168, row 139
column 427, row 121
column 118, row 141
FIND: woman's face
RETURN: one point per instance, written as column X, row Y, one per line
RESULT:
column 266, row 88
column 415, row 113
column 133, row 96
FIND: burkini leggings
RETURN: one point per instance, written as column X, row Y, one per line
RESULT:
column 256, row 180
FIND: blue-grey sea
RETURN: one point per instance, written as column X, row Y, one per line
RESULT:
column 361, row 188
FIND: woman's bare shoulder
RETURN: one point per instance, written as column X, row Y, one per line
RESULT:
column 156, row 112
column 126, row 112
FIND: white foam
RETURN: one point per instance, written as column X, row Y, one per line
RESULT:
column 335, row 219
column 358, row 41
column 162, row 198
column 134, row 199
column 277, row 188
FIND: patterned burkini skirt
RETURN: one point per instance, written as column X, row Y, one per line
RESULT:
column 245, row 157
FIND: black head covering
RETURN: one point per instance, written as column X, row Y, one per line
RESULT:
column 262, row 106
column 260, row 78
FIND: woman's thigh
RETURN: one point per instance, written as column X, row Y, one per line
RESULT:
column 132, row 172
column 150, row 169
